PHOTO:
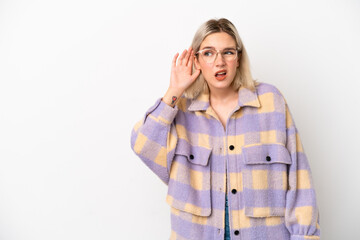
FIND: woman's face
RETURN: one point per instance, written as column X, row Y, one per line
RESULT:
column 218, row 41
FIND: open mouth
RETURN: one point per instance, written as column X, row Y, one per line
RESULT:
column 220, row 75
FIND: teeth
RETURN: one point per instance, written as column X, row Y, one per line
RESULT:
column 221, row 73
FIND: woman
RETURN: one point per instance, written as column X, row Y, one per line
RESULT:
column 227, row 147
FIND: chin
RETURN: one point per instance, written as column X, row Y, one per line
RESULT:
column 221, row 84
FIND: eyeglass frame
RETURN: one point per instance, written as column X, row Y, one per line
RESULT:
column 238, row 50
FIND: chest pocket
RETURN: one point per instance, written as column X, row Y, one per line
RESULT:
column 189, row 187
column 265, row 179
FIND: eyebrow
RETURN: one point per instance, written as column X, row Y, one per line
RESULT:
column 223, row 49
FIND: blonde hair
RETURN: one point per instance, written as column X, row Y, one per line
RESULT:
column 243, row 75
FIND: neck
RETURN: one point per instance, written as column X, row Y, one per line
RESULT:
column 223, row 95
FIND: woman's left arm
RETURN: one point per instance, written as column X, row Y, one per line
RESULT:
column 302, row 213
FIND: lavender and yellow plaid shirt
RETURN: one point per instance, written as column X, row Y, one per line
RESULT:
column 259, row 157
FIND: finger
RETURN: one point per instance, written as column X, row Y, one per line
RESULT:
column 191, row 59
column 182, row 56
column 195, row 75
column 190, row 49
column 174, row 60
column 188, row 54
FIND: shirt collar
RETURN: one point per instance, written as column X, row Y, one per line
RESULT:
column 246, row 98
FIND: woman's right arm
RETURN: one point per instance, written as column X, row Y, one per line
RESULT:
column 154, row 137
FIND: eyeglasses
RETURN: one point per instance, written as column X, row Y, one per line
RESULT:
column 209, row 55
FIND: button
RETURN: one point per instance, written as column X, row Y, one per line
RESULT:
column 236, row 232
column 233, row 191
column 191, row 156
column 231, row 147
column 268, row 158
column 219, row 230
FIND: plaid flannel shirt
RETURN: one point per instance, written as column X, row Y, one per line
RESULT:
column 258, row 160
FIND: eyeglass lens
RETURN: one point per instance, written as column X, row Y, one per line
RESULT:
column 209, row 55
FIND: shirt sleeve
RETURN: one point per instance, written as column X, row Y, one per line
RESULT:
column 302, row 213
column 154, row 138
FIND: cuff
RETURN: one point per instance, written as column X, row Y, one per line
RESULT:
column 303, row 237
column 163, row 112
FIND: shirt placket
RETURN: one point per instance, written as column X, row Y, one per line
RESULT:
column 233, row 148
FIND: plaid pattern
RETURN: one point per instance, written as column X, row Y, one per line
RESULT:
column 270, row 189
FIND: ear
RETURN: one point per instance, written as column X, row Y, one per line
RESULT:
column 197, row 64
column 238, row 61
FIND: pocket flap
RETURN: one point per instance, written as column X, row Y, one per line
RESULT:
column 266, row 154
column 195, row 154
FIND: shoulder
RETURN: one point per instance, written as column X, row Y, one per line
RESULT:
column 269, row 90
column 271, row 98
column 263, row 87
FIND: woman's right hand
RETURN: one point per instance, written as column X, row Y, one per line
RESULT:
column 181, row 77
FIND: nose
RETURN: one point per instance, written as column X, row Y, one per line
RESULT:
column 219, row 60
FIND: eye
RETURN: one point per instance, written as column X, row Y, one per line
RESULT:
column 208, row 53
column 229, row 52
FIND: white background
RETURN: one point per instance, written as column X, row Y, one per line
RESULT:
column 77, row 75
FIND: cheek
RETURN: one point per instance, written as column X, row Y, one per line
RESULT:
column 235, row 66
column 207, row 72
column 207, row 67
